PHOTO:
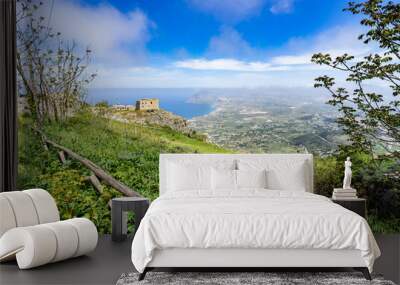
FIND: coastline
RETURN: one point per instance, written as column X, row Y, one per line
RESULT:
column 215, row 110
column 175, row 101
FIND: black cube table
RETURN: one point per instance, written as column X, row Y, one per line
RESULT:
column 357, row 205
column 119, row 216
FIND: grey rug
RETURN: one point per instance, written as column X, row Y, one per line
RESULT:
column 236, row 278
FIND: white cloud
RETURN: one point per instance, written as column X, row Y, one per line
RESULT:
column 336, row 41
column 292, row 59
column 223, row 64
column 233, row 11
column 229, row 10
column 298, row 51
column 229, row 43
column 281, row 6
column 284, row 63
column 289, row 66
column 172, row 77
column 118, row 41
column 104, row 29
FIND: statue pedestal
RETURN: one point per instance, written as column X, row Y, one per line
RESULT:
column 344, row 190
column 340, row 193
column 356, row 205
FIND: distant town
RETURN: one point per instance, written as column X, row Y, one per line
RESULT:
column 263, row 124
column 267, row 124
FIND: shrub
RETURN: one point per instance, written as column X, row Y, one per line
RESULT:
column 327, row 175
column 377, row 180
column 128, row 152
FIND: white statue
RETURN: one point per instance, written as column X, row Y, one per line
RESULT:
column 347, row 174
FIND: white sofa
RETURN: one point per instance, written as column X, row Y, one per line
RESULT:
column 31, row 231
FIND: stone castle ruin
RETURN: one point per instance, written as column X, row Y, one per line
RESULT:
column 147, row 104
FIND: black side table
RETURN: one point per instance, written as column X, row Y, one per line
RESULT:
column 119, row 217
column 357, row 205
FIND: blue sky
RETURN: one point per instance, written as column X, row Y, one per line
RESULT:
column 188, row 25
column 208, row 43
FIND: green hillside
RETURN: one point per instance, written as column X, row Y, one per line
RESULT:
column 128, row 151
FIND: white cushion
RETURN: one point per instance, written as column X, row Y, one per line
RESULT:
column 26, row 208
column 223, row 179
column 184, row 177
column 7, row 218
column 67, row 240
column 23, row 208
column 87, row 235
column 45, row 205
column 251, row 178
column 281, row 174
column 40, row 244
column 275, row 162
column 31, row 246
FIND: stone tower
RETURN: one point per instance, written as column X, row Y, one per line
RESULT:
column 147, row 104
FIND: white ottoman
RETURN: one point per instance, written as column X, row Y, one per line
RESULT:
column 31, row 232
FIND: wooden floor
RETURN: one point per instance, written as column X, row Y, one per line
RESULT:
column 110, row 260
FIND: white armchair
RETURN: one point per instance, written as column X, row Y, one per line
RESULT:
column 31, row 231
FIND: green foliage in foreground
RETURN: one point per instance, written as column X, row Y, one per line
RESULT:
column 378, row 180
column 130, row 153
column 370, row 118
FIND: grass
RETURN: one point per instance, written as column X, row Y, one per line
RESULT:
column 128, row 151
column 387, row 226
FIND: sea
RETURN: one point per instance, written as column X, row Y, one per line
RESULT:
column 175, row 100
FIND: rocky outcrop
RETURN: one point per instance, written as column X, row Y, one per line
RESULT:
column 153, row 117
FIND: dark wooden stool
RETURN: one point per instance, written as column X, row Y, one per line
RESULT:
column 119, row 215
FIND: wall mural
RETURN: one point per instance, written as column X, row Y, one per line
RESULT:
column 106, row 86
